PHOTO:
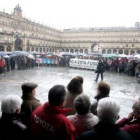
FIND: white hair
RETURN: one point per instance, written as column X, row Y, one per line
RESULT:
column 11, row 103
column 108, row 110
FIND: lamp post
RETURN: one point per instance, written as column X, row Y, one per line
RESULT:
column 18, row 41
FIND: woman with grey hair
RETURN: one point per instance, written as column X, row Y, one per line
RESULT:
column 10, row 125
column 82, row 120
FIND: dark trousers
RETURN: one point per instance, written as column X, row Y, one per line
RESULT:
column 1, row 70
column 98, row 76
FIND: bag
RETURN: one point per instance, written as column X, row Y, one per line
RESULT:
column 96, row 71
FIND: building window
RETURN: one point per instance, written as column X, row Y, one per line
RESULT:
column 127, row 40
column 1, row 48
column 133, row 45
column 9, row 39
column 121, row 40
column 126, row 45
column 1, row 38
column 0, row 29
column 133, row 39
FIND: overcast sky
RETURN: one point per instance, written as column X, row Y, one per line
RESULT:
column 64, row 14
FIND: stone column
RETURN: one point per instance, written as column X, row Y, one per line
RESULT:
column 13, row 44
column 24, row 44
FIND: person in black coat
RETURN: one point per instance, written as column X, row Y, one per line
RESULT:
column 106, row 129
column 11, row 128
column 100, row 69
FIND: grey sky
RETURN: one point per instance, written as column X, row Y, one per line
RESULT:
column 78, row 13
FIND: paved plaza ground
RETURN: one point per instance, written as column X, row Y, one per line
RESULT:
column 123, row 88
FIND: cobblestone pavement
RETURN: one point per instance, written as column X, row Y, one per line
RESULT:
column 123, row 88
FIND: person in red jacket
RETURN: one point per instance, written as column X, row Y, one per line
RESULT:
column 49, row 122
column 2, row 63
column 131, row 124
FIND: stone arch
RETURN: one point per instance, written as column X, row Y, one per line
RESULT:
column 55, row 50
column 71, row 50
column 32, row 48
column 12, row 24
column 36, row 49
column 81, row 50
column 8, row 49
column 132, row 52
column 120, row 51
column 1, row 48
column 109, row 51
column 76, row 50
column 40, row 49
column 44, row 49
column 86, row 51
column 67, row 50
column 126, row 52
column 103, row 51
column 27, row 49
column 138, row 51
column 114, row 51
column 93, row 47
column 47, row 50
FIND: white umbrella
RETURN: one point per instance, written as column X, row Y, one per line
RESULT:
column 31, row 56
column 122, row 55
column 137, row 56
column 6, row 56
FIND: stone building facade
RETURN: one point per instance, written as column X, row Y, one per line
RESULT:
column 20, row 34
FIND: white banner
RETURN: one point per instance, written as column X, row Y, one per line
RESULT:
column 83, row 63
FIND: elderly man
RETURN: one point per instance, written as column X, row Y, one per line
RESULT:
column 30, row 103
column 10, row 125
column 131, row 124
column 49, row 122
column 108, row 113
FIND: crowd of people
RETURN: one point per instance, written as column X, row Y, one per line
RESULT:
column 67, row 115
column 20, row 62
column 130, row 68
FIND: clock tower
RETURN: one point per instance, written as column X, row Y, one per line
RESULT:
column 17, row 12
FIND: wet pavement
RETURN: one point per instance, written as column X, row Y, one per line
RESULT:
column 123, row 88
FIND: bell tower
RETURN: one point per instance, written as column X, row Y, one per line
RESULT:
column 17, row 12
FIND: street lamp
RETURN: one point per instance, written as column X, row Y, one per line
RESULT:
column 18, row 41
column 17, row 35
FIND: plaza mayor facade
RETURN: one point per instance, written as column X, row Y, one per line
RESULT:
column 21, row 34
